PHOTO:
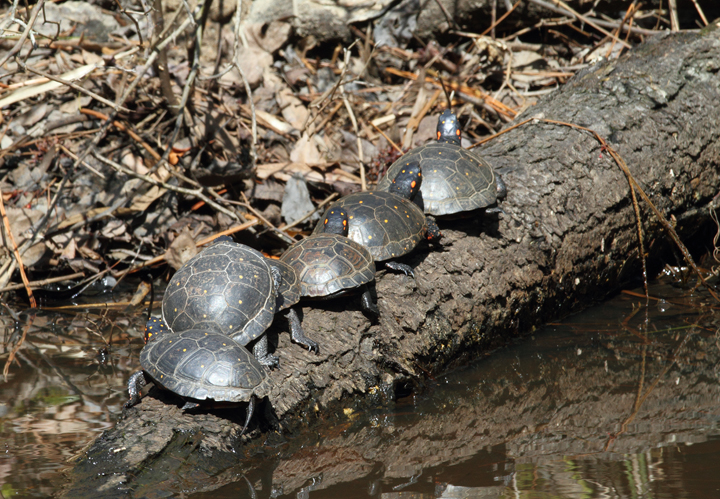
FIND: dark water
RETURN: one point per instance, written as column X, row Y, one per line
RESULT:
column 619, row 401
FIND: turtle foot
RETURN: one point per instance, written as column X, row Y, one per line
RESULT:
column 401, row 267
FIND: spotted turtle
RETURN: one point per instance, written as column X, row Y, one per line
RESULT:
column 232, row 289
column 455, row 180
column 329, row 264
column 388, row 223
column 201, row 365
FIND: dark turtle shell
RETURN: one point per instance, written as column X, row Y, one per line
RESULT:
column 454, row 179
column 329, row 264
column 228, row 288
column 289, row 291
column 202, row 365
column 386, row 224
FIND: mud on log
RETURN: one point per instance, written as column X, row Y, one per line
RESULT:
column 568, row 238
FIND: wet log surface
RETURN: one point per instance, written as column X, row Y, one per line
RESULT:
column 567, row 239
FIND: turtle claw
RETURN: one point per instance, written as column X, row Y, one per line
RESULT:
column 401, row 267
column 135, row 385
column 297, row 333
column 368, row 305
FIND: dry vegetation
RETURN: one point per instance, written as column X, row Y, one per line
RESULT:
column 133, row 131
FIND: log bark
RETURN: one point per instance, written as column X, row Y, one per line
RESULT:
column 568, row 238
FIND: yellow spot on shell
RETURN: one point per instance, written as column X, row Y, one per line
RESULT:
column 241, row 277
column 386, row 221
column 240, row 302
column 184, row 349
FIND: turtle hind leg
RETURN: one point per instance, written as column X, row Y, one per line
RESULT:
column 297, row 332
column 189, row 405
column 368, row 304
column 135, row 385
column 249, row 414
column 400, row 267
column 260, row 351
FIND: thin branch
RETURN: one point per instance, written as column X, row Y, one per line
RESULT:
column 16, row 48
column 8, row 231
column 74, row 86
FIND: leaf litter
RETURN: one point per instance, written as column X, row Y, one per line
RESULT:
column 131, row 135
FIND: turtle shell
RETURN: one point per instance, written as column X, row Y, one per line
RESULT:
column 227, row 287
column 385, row 223
column 329, row 264
column 289, row 291
column 201, row 365
column 454, row 179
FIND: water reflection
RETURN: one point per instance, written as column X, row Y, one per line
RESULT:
column 58, row 393
column 605, row 404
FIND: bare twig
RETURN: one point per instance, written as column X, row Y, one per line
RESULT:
column 131, row 88
column 161, row 64
column 390, row 141
column 311, row 212
column 161, row 258
column 566, row 9
column 700, row 11
column 74, row 86
column 502, row 18
column 134, row 21
column 674, row 20
column 21, row 267
column 16, row 48
column 188, row 192
column 43, row 282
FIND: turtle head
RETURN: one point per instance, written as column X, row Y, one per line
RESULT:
column 154, row 327
column 407, row 182
column 222, row 239
column 336, row 222
column 448, row 128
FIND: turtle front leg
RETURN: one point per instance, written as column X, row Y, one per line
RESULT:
column 135, row 385
column 250, row 411
column 297, row 333
column 368, row 304
column 400, row 267
column 260, row 351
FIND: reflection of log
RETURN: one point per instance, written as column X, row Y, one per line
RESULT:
column 568, row 237
column 543, row 402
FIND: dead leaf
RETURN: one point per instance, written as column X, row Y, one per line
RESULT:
column 306, row 151
column 292, row 108
column 268, row 36
column 296, row 202
column 181, row 250
column 22, row 219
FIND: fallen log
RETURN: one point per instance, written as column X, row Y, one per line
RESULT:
column 568, row 237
